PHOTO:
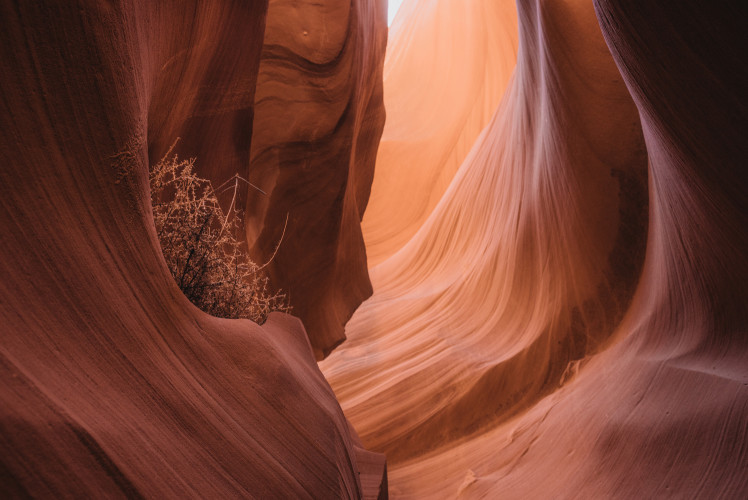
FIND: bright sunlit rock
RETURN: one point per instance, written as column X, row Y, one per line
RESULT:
column 392, row 9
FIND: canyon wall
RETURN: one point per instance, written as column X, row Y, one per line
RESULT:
column 318, row 119
column 569, row 320
column 113, row 383
column 556, row 246
column 443, row 81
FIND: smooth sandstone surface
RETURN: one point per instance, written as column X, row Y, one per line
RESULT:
column 113, row 384
column 318, row 118
column 569, row 321
column 446, row 68
column 555, row 233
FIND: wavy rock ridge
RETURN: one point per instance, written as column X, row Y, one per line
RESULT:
column 431, row 126
column 556, row 230
column 318, row 119
column 113, row 383
column 569, row 320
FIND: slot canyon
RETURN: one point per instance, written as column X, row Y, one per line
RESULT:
column 512, row 234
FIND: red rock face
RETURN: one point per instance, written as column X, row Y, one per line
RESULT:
column 112, row 382
column 318, row 119
column 698, row 182
column 558, row 257
column 203, row 90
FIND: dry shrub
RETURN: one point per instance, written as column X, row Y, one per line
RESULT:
column 200, row 247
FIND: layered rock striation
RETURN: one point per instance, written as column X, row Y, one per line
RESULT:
column 318, row 119
column 443, row 81
column 568, row 321
column 113, row 384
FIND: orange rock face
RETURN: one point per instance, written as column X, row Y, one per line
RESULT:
column 318, row 119
column 568, row 321
column 525, row 265
column 112, row 382
column 443, row 80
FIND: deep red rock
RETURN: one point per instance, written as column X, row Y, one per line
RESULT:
column 113, row 384
column 318, row 119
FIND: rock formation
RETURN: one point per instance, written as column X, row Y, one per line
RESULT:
column 438, row 100
column 569, row 320
column 318, row 119
column 556, row 238
column 113, row 384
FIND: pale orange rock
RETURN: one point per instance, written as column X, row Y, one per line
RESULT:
column 527, row 263
column 569, row 321
column 447, row 66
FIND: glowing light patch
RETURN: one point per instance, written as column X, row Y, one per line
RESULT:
column 392, row 9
